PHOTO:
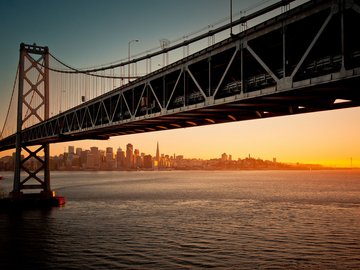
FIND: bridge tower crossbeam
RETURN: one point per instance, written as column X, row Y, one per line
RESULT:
column 33, row 103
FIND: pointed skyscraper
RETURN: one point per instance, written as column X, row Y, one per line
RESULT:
column 157, row 153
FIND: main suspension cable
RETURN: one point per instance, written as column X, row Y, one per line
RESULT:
column 11, row 99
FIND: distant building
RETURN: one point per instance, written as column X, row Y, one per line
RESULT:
column 138, row 162
column 137, row 158
column 120, row 158
column 109, row 158
column 83, row 158
column 95, row 157
column 157, row 157
column 94, row 150
column 102, row 159
column 109, row 153
column 54, row 163
column 91, row 160
column 165, row 161
column 76, row 162
column 224, row 157
column 129, row 156
column 78, row 151
column 71, row 149
column 148, row 162
column 7, row 163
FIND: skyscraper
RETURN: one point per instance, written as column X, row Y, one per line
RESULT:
column 95, row 156
column 120, row 158
column 137, row 159
column 157, row 157
column 109, row 158
column 109, row 153
column 71, row 149
column 129, row 155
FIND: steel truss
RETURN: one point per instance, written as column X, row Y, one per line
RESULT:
column 303, row 60
column 33, row 103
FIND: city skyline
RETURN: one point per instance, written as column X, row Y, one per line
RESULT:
column 328, row 138
column 131, row 157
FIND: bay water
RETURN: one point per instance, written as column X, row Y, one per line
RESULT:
column 189, row 220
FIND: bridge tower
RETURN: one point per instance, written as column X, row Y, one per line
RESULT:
column 33, row 105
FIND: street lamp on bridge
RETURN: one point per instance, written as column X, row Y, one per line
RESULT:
column 131, row 41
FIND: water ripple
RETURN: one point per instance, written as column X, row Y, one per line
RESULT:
column 182, row 220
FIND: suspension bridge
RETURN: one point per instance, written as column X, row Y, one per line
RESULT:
column 304, row 58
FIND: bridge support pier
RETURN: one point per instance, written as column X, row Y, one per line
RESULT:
column 33, row 164
column 33, row 82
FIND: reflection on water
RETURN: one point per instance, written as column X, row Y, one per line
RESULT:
column 190, row 220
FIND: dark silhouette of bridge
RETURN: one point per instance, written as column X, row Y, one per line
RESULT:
column 304, row 59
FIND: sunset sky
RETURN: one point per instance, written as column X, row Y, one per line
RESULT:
column 89, row 32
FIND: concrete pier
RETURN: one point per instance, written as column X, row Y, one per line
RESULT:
column 33, row 200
